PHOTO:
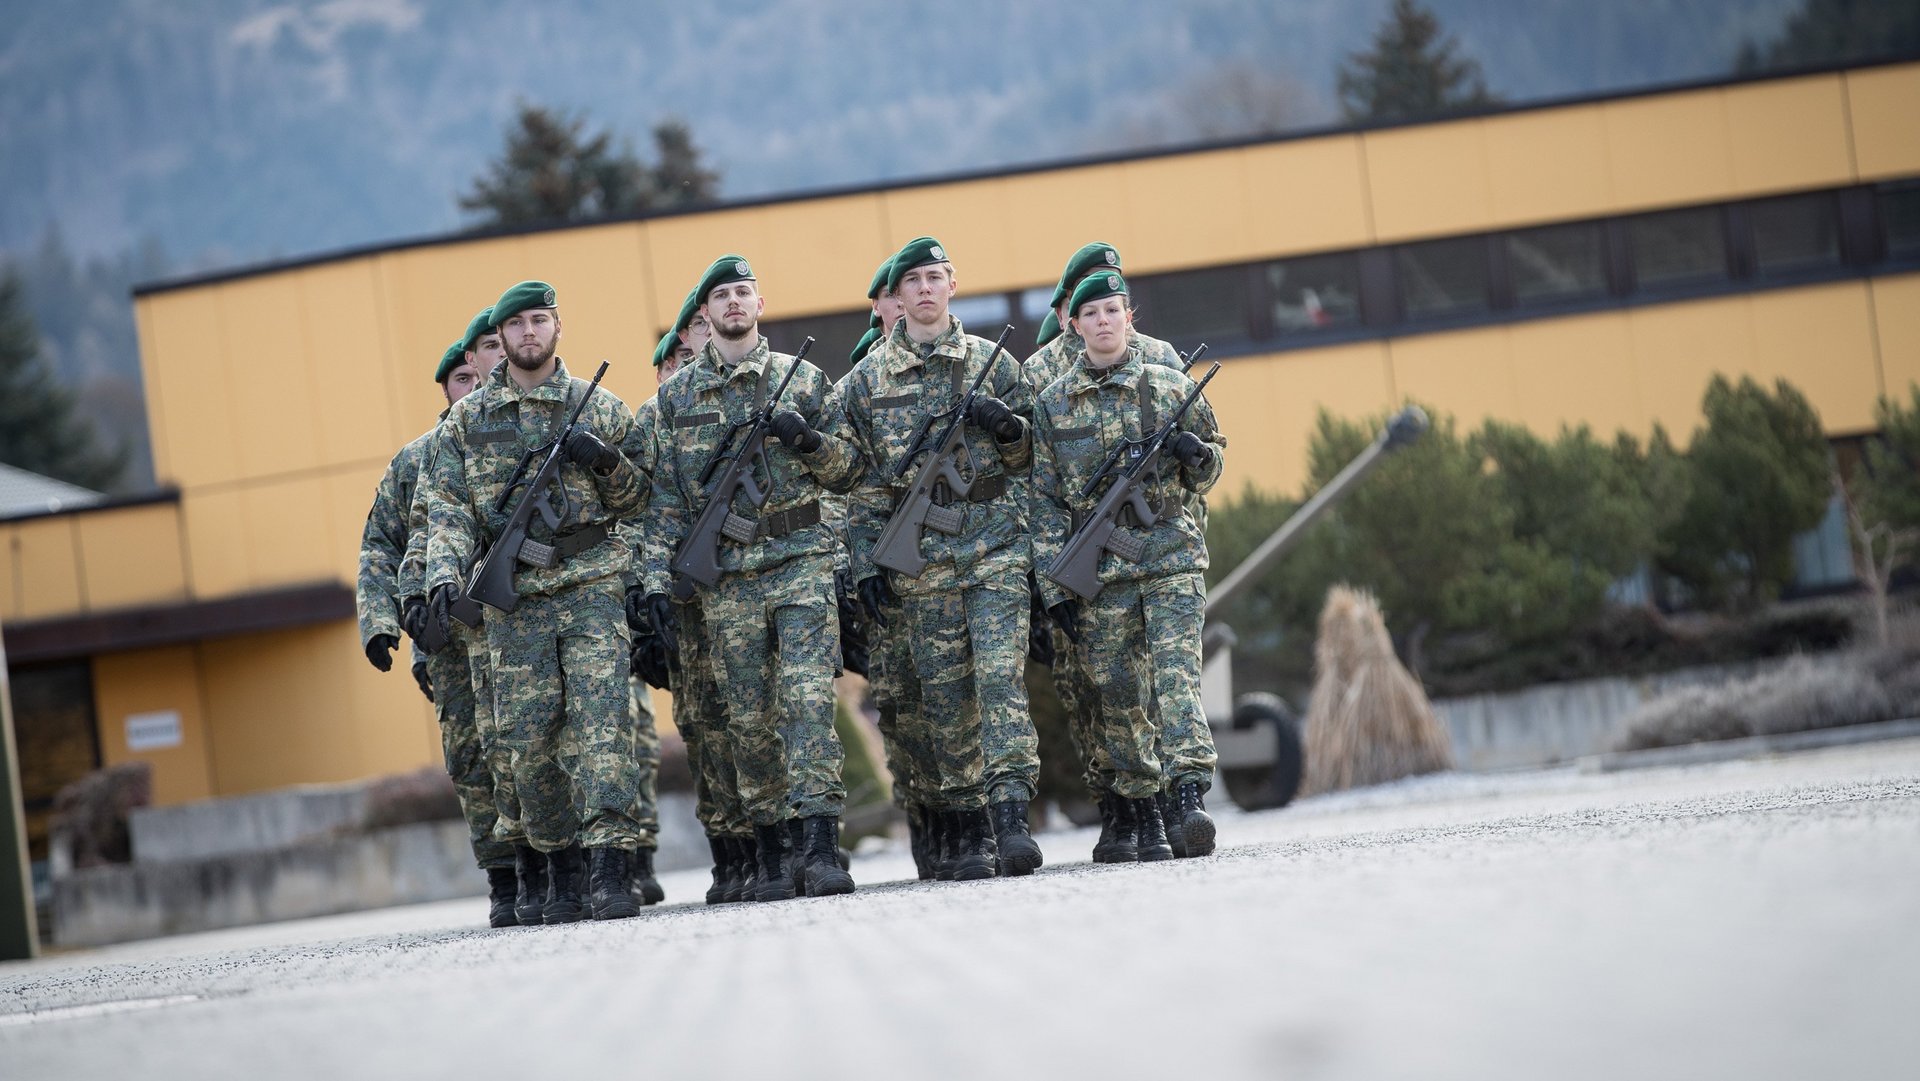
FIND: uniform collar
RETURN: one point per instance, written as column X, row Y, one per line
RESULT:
column 552, row 389
column 1086, row 378
column 711, row 372
column 903, row 353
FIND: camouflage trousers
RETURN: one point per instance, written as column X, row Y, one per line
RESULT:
column 466, row 746
column 776, row 636
column 646, row 761
column 701, row 716
column 1080, row 703
column 560, row 694
column 506, row 804
column 969, row 649
column 909, row 741
column 1140, row 644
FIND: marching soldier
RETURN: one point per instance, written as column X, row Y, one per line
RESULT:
column 1147, row 616
column 394, row 531
column 559, row 659
column 964, row 617
column 770, row 614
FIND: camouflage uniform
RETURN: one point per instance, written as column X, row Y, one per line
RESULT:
column 771, row 618
column 559, row 659
column 395, row 534
column 1146, row 620
column 962, row 625
column 646, row 759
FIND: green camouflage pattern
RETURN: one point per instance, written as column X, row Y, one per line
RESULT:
column 464, row 746
column 1078, row 419
column 560, row 670
column 506, row 802
column 969, row 651
column 700, row 714
column 697, row 408
column 479, row 445
column 1079, row 703
column 383, row 543
column 1140, row 643
column 646, row 759
column 906, row 737
column 776, row 634
column 1055, row 357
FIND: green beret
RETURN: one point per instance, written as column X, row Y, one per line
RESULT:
column 1049, row 329
column 1095, row 256
column 668, row 342
column 880, row 279
column 521, row 297
column 919, row 252
column 480, row 327
column 866, row 342
column 688, row 309
column 455, row 356
column 874, row 322
column 725, row 271
column 1096, row 287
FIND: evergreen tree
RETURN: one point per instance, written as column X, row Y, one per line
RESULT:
column 1413, row 71
column 551, row 170
column 39, row 430
column 1760, row 475
column 1836, row 32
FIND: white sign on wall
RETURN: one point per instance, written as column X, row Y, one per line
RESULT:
column 153, row 731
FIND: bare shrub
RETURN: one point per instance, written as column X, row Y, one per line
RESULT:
column 1369, row 721
column 1800, row 695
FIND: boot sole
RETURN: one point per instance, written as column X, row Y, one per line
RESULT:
column 971, row 871
column 773, row 893
column 1156, row 853
column 830, row 885
column 1023, row 860
column 507, row 918
column 529, row 917
column 562, row 914
column 616, row 910
column 1199, row 836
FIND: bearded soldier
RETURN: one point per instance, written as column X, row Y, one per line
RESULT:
column 770, row 610
column 559, row 658
column 1147, row 615
column 964, row 616
column 396, row 530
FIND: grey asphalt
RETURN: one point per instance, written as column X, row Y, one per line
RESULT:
column 1749, row 919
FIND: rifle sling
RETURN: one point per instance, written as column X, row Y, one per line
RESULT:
column 742, row 530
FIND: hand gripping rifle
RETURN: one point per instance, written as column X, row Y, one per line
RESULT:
column 898, row 548
column 698, row 557
column 1132, row 462
column 492, row 579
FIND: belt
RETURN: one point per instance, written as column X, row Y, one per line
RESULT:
column 984, row 490
column 777, row 524
column 561, row 548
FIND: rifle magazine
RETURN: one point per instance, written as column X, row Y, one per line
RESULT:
column 1127, row 546
column 948, row 520
column 737, row 529
column 535, row 554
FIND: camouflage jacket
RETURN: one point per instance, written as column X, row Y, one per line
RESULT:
column 640, row 451
column 378, row 590
column 698, row 408
column 479, row 446
column 883, row 401
column 1047, row 362
column 1078, row 420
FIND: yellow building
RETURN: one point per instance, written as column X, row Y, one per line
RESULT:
column 1591, row 262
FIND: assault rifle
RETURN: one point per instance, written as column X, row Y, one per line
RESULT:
column 492, row 580
column 698, row 557
column 1131, row 463
column 1188, row 360
column 898, row 548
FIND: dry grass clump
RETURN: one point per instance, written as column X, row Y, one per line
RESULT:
column 1800, row 695
column 1369, row 720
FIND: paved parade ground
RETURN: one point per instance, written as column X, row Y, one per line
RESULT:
column 1745, row 919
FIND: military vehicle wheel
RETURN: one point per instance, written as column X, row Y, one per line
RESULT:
column 1263, row 787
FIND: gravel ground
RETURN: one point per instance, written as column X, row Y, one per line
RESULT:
column 1751, row 919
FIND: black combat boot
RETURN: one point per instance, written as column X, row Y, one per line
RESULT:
column 1019, row 854
column 975, row 855
column 610, row 884
column 820, row 855
column 1170, row 818
column 564, row 872
column 796, row 842
column 530, row 885
column 945, row 843
column 746, row 869
column 1116, row 843
column 773, row 883
column 919, row 839
column 1196, row 825
column 646, row 888
column 502, row 886
column 1149, row 832
column 722, row 849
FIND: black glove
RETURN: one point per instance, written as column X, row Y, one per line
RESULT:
column 585, row 448
column 1066, row 616
column 876, row 596
column 413, row 617
column 637, row 610
column 853, row 624
column 791, row 428
column 1039, row 627
column 993, row 415
column 1191, row 451
column 650, row 661
column 440, row 610
column 661, row 622
column 380, row 651
column 421, row 679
